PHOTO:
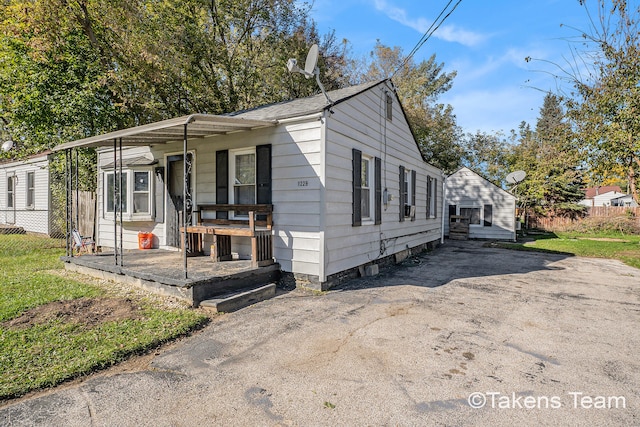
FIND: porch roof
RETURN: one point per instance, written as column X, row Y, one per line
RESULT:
column 171, row 130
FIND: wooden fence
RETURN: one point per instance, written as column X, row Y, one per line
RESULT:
column 86, row 214
column 556, row 223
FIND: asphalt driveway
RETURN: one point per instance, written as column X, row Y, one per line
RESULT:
column 465, row 335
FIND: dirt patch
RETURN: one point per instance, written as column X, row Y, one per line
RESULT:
column 86, row 311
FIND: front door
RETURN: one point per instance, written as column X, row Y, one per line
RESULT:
column 175, row 199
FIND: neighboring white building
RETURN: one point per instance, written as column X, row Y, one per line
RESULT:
column 624, row 201
column 347, row 181
column 25, row 200
column 605, row 199
column 490, row 209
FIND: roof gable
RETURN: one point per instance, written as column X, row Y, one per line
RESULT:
column 591, row 192
column 466, row 169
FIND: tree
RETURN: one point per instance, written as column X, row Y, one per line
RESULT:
column 419, row 86
column 487, row 154
column 605, row 109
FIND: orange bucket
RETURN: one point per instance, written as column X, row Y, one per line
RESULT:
column 145, row 240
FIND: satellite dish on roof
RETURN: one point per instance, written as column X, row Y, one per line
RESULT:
column 516, row 177
column 311, row 62
column 7, row 145
column 310, row 68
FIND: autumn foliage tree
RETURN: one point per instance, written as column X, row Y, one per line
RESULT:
column 605, row 108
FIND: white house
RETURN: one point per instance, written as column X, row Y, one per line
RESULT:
column 346, row 179
column 490, row 209
column 25, row 200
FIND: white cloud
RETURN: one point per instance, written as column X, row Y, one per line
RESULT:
column 450, row 33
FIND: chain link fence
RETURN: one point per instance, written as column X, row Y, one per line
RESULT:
column 34, row 207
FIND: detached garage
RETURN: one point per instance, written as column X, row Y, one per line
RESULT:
column 490, row 210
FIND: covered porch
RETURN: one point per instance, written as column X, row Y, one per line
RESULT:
column 172, row 272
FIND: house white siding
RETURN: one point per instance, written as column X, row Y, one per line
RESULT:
column 33, row 217
column 312, row 185
column 467, row 189
column 361, row 124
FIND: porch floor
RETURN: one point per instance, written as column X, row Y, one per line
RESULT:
column 162, row 271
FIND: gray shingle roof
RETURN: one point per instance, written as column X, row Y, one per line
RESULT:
column 302, row 106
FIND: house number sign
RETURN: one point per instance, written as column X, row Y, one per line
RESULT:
column 303, row 183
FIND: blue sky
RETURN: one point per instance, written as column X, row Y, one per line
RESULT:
column 485, row 41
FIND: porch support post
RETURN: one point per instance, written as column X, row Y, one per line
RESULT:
column 185, row 192
column 67, row 183
column 77, row 203
column 121, row 212
column 115, row 203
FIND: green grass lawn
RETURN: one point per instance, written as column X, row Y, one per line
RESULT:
column 623, row 247
column 42, row 354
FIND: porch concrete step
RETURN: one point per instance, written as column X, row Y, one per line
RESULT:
column 232, row 302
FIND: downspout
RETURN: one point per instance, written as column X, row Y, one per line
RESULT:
column 77, row 204
column 322, row 267
column 444, row 197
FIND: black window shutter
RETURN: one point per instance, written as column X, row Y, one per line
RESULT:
column 402, row 201
column 488, row 215
column 356, row 217
column 222, row 181
column 263, row 174
column 159, row 194
column 378, row 190
column 435, row 197
column 428, row 196
column 413, row 194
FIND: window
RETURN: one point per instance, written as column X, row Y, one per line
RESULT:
column 472, row 213
column 432, row 197
column 11, row 189
column 488, row 215
column 31, row 190
column 366, row 189
column 407, row 194
column 136, row 202
column 141, row 195
column 243, row 177
column 389, row 106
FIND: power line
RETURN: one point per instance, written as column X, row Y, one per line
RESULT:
column 432, row 29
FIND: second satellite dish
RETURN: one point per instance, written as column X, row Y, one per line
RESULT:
column 516, row 177
column 7, row 145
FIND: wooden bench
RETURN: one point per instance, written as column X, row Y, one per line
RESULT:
column 258, row 226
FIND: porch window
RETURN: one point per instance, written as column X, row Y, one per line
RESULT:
column 31, row 189
column 11, row 190
column 136, row 202
column 243, row 177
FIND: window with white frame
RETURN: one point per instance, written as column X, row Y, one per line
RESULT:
column 432, row 197
column 366, row 191
column 137, row 200
column 408, row 193
column 11, row 191
column 242, row 172
column 31, row 190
